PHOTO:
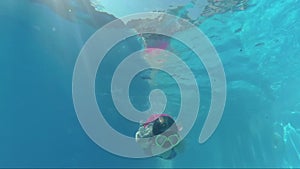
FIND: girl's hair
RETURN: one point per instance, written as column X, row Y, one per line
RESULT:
column 162, row 124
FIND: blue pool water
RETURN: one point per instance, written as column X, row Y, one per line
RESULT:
column 259, row 48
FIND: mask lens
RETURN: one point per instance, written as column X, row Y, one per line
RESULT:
column 173, row 139
column 160, row 140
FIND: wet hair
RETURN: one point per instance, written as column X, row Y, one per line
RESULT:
column 162, row 124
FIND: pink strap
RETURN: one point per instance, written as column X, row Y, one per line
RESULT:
column 154, row 117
